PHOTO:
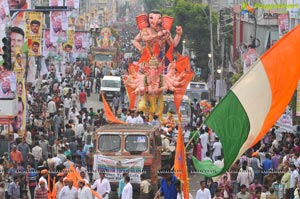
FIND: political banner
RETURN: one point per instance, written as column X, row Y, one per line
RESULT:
column 80, row 44
column 114, row 168
column 7, row 85
column 249, row 57
column 19, row 124
column 33, row 28
column 58, row 26
column 49, row 50
column 72, row 3
column 18, row 17
column 283, row 24
column 34, row 47
column 56, row 2
column 4, row 12
column 72, row 17
column 80, row 23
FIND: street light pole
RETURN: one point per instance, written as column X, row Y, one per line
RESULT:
column 212, row 52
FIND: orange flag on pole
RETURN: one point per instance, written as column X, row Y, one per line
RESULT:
column 169, row 54
column 53, row 193
column 178, row 94
column 49, row 188
column 109, row 114
column 183, row 64
column 146, row 55
column 75, row 176
column 180, row 168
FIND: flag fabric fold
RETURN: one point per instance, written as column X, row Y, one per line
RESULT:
column 75, row 176
column 109, row 114
column 180, row 168
column 256, row 101
column 178, row 94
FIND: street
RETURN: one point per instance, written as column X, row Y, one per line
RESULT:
column 194, row 180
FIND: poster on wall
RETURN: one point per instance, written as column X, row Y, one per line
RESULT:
column 249, row 57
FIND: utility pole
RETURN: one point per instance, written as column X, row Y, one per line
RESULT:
column 212, row 51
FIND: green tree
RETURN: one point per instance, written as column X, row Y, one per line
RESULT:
column 152, row 5
column 194, row 19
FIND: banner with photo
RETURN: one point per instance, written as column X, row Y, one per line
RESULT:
column 283, row 24
column 4, row 13
column 72, row 4
column 49, row 50
column 56, row 2
column 20, row 121
column 58, row 26
column 34, row 47
column 33, row 28
column 249, row 57
column 80, row 24
column 68, row 47
column 72, row 17
column 8, row 83
column 18, row 17
column 81, row 43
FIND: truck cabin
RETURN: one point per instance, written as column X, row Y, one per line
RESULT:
column 125, row 141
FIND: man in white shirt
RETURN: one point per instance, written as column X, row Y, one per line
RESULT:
column 294, row 178
column 84, row 192
column 102, row 185
column 127, row 191
column 217, row 149
column 204, row 143
column 37, row 152
column 131, row 119
column 43, row 178
column 51, row 108
column 138, row 118
column 203, row 193
column 67, row 106
column 68, row 192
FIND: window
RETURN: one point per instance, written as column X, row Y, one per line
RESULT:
column 136, row 143
column 170, row 107
column 111, row 83
column 109, row 143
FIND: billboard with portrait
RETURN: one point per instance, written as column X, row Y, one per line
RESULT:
column 49, row 50
column 58, row 26
column 33, row 27
column 34, row 47
column 7, row 85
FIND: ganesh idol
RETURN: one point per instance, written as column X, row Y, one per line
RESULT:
column 150, row 78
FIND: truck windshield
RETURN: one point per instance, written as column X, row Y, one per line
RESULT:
column 103, row 58
column 111, row 83
column 136, row 143
column 109, row 143
column 170, row 107
column 203, row 95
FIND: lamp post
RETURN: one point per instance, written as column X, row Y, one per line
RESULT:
column 211, row 55
column 212, row 73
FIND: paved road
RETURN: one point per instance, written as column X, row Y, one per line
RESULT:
column 93, row 101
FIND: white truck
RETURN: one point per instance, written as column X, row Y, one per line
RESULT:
column 110, row 86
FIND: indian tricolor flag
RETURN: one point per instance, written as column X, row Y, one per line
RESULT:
column 256, row 101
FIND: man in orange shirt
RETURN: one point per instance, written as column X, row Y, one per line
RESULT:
column 15, row 155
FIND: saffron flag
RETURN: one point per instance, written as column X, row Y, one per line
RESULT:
column 146, row 55
column 53, row 193
column 169, row 54
column 109, row 114
column 183, row 64
column 180, row 168
column 49, row 188
column 75, row 176
column 257, row 100
column 179, row 93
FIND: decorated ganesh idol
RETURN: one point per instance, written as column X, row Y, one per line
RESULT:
column 150, row 78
